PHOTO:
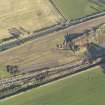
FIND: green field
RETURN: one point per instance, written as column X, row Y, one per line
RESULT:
column 3, row 72
column 84, row 89
column 78, row 8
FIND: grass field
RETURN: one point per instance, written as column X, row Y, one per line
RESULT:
column 3, row 72
column 29, row 14
column 77, row 8
column 84, row 89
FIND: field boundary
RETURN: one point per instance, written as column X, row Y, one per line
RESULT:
column 58, row 9
column 50, row 75
column 50, row 83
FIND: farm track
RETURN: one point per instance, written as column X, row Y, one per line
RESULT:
column 30, row 79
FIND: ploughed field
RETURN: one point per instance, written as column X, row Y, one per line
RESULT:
column 29, row 15
column 78, row 8
column 87, row 88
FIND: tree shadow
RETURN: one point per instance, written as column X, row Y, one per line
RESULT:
column 94, row 52
column 71, row 36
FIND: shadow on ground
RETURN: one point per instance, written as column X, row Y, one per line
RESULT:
column 94, row 52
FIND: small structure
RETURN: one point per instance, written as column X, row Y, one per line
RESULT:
column 15, row 32
column 12, row 69
column 71, row 41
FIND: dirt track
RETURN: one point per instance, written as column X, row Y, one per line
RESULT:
column 42, row 52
